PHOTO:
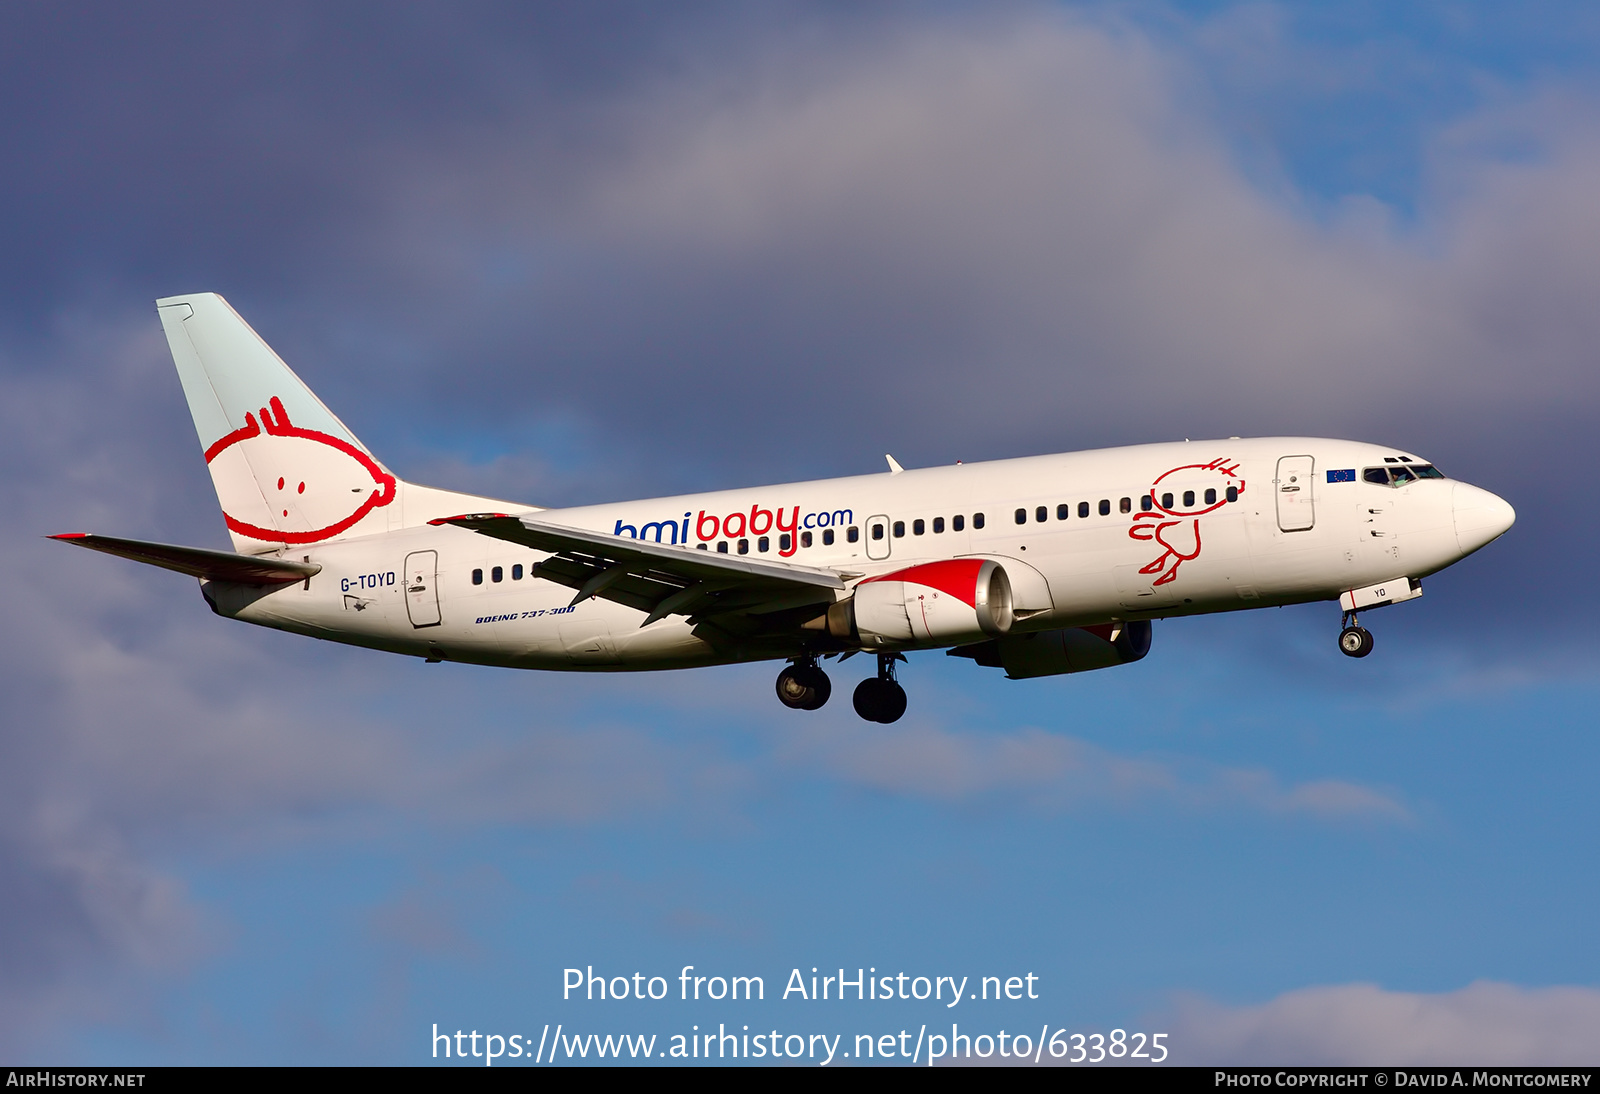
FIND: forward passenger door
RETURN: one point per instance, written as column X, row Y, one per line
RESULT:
column 1293, row 487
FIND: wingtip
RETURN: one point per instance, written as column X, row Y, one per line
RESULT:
column 69, row 535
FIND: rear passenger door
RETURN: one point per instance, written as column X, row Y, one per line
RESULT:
column 422, row 591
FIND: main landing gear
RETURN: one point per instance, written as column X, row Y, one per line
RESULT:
column 880, row 698
column 1354, row 641
column 803, row 686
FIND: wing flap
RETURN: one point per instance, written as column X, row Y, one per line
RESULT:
column 655, row 578
column 197, row 561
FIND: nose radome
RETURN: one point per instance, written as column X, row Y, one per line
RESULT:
column 1480, row 517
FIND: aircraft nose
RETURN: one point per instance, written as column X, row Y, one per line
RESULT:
column 1480, row 517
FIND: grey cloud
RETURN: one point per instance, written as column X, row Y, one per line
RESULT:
column 136, row 723
column 1485, row 1023
column 1021, row 234
column 712, row 258
column 953, row 214
column 773, row 247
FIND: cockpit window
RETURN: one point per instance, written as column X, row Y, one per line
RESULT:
column 1400, row 474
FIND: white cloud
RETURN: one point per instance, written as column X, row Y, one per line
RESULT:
column 1484, row 1023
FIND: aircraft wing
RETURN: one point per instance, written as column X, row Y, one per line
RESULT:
column 197, row 561
column 655, row 578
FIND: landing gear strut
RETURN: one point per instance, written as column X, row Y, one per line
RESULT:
column 803, row 686
column 881, row 698
column 1354, row 640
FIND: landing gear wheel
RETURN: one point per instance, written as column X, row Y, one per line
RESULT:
column 803, row 687
column 1355, row 641
column 879, row 700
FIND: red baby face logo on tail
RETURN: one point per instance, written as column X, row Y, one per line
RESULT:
column 314, row 485
column 1178, row 499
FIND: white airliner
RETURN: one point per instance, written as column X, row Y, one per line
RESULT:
column 1039, row 566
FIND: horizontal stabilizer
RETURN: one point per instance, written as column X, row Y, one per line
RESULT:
column 197, row 561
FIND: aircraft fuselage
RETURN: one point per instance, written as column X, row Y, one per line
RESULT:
column 1104, row 536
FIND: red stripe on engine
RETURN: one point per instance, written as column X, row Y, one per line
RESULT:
column 956, row 576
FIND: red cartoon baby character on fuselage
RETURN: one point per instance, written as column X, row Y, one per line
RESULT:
column 1173, row 519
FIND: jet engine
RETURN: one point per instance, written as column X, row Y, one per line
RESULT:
column 936, row 602
column 1073, row 649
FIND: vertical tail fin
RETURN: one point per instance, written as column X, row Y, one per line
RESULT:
column 286, row 470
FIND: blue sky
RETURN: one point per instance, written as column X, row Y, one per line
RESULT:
column 565, row 258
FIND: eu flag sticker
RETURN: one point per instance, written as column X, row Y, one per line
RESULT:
column 1347, row 475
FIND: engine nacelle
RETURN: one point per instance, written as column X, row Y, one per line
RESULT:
column 1073, row 649
column 937, row 602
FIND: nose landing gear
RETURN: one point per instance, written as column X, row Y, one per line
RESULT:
column 881, row 698
column 803, row 686
column 1354, row 640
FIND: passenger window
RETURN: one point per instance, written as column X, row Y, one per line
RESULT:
column 877, row 531
column 1022, row 516
column 1083, row 509
column 722, row 547
column 899, row 528
column 1233, row 493
column 763, row 544
column 1211, row 496
column 477, row 577
column 744, row 546
column 917, row 527
column 977, row 520
column 1378, row 476
column 957, row 522
column 516, row 572
column 805, row 539
column 497, row 575
column 701, row 547
column 938, row 525
column 1105, row 507
column 1125, row 505
column 1146, row 503
column 827, row 537
column 1063, row 511
column 784, row 543
column 1166, row 501
column 853, row 533
column 1041, row 514
column 1188, row 499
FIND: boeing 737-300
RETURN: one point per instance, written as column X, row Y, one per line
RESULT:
column 1037, row 566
